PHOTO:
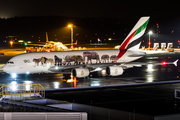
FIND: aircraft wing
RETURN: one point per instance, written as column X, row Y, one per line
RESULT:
column 98, row 67
column 139, row 64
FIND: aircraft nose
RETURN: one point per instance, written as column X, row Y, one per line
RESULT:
column 5, row 69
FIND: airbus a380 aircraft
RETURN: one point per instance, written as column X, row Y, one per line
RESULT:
column 81, row 63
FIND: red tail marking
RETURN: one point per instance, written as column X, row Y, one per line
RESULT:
column 124, row 45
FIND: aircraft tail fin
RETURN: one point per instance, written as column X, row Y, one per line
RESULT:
column 133, row 40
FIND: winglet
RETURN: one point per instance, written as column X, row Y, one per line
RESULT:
column 175, row 62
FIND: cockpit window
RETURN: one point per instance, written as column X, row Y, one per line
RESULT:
column 10, row 62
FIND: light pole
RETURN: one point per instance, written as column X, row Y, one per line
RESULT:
column 150, row 32
column 71, row 26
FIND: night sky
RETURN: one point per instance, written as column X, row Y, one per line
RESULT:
column 114, row 18
column 90, row 8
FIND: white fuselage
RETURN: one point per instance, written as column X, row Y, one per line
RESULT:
column 26, row 63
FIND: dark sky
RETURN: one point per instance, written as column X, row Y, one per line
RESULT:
column 88, row 8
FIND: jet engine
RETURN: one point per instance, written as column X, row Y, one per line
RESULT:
column 80, row 72
column 114, row 70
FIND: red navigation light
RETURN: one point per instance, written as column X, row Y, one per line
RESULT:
column 149, row 43
column 164, row 63
column 178, row 41
column 157, row 24
column 72, row 46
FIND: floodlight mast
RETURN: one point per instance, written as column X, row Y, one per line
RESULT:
column 71, row 26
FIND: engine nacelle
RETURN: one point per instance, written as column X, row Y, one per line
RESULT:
column 80, row 72
column 114, row 70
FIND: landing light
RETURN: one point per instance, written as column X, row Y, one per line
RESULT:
column 56, row 67
column 98, row 69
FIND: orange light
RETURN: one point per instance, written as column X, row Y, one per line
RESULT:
column 75, row 81
column 70, row 25
column 11, row 42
